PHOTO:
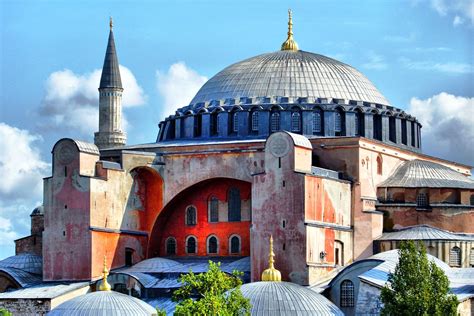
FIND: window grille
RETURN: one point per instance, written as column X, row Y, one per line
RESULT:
column 455, row 257
column 212, row 245
column 337, row 122
column 356, row 124
column 347, row 293
column 234, row 245
column 422, row 200
column 234, row 204
column 295, row 122
column 275, row 122
column 191, row 245
column 254, row 121
column 171, row 246
column 191, row 215
column 316, row 122
column 214, row 210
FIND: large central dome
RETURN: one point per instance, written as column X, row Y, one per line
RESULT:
column 291, row 74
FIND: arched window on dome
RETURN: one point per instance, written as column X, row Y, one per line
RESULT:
column 359, row 123
column 234, row 123
column 392, row 131
column 404, row 132
column 212, row 245
column 317, row 117
column 347, row 293
column 377, row 120
column 339, row 123
column 191, row 245
column 234, row 244
column 171, row 246
column 455, row 257
column 191, row 216
column 213, row 209
column 197, row 125
column 234, row 205
column 254, row 121
column 274, row 122
column 295, row 120
column 214, row 122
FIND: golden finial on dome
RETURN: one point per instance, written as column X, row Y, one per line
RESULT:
column 290, row 43
column 271, row 274
column 105, row 286
column 111, row 23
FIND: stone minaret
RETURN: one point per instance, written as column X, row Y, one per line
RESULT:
column 110, row 132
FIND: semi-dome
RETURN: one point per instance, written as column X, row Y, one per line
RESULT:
column 104, row 303
column 24, row 261
column 155, row 265
column 285, row 298
column 294, row 74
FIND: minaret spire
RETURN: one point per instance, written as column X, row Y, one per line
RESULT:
column 290, row 43
column 110, row 132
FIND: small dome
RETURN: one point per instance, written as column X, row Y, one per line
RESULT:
column 25, row 261
column 155, row 265
column 104, row 303
column 426, row 174
column 38, row 211
column 285, row 298
column 290, row 74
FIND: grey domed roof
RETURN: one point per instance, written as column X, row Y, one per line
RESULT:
column 290, row 74
column 39, row 210
column 154, row 265
column 285, row 298
column 25, row 261
column 426, row 174
column 104, row 303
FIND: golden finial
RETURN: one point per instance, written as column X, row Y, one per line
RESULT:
column 105, row 286
column 111, row 23
column 271, row 274
column 290, row 43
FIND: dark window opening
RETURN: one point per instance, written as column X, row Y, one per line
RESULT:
column 392, row 130
column 284, row 183
column 296, row 122
column 214, row 124
column 65, row 171
column 170, row 246
column 191, row 215
column 279, row 162
column 359, row 124
column 128, row 257
column 197, row 125
column 254, row 122
column 234, row 204
column 413, row 134
column 404, row 132
column 212, row 245
column 455, row 257
column 234, row 245
column 377, row 126
column 317, row 122
column 233, row 123
column 274, row 122
column 339, row 123
column 191, row 245
column 214, row 210
column 422, row 200
column 283, row 223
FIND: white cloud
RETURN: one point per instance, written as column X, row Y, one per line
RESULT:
column 447, row 67
column 448, row 126
column 376, row 62
column 458, row 20
column 22, row 171
column 177, row 86
column 71, row 101
column 461, row 9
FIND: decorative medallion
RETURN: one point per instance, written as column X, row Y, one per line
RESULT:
column 65, row 153
column 280, row 146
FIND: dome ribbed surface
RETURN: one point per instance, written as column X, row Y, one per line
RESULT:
column 155, row 265
column 285, row 298
column 290, row 74
column 25, row 261
column 426, row 174
column 103, row 303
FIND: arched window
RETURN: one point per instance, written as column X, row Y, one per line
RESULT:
column 274, row 122
column 234, row 122
column 422, row 200
column 347, row 293
column 455, row 257
column 413, row 134
column 359, row 124
column 296, row 121
column 404, row 132
column 212, row 245
column 234, row 204
column 170, row 246
column 191, row 245
column 317, row 122
column 128, row 257
column 392, row 130
column 254, row 121
column 213, row 209
column 214, row 124
column 379, row 165
column 197, row 125
column 339, row 124
column 234, row 245
column 377, row 120
column 191, row 215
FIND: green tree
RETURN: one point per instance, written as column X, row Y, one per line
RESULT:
column 211, row 293
column 417, row 286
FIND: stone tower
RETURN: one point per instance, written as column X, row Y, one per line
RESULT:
column 110, row 132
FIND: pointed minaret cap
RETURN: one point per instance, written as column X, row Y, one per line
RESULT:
column 110, row 71
column 105, row 286
column 271, row 274
column 290, row 43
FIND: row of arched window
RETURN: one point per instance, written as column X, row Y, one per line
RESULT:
column 234, row 209
column 212, row 245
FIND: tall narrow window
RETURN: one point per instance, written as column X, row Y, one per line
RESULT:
column 392, row 129
column 455, row 257
column 359, row 124
column 212, row 245
column 422, row 200
column 317, row 126
column 472, row 199
column 213, row 210
column 234, row 245
column 404, row 132
column 274, row 122
column 337, row 122
column 379, row 165
column 128, row 257
column 197, row 125
column 347, row 293
column 214, row 124
column 234, row 205
column 377, row 119
column 254, row 123
column 296, row 122
column 170, row 246
column 471, row 259
column 191, row 245
column 190, row 215
column 234, row 123
column 413, row 134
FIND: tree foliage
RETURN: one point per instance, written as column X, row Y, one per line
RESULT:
column 211, row 293
column 417, row 286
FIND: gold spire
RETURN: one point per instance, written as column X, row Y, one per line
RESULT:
column 105, row 286
column 111, row 23
column 271, row 274
column 290, row 43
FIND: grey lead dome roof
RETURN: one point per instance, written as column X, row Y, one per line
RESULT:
column 290, row 74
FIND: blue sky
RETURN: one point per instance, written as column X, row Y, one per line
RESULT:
column 419, row 54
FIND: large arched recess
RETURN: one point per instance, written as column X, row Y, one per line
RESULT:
column 171, row 221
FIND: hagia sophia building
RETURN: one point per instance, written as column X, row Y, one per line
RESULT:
column 289, row 144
